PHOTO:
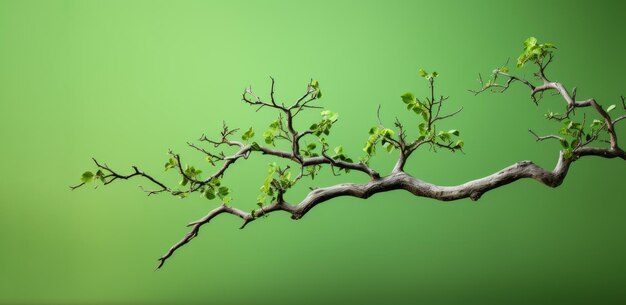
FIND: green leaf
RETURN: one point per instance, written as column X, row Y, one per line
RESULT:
column 521, row 60
column 549, row 45
column 286, row 176
column 318, row 94
column 339, row 150
column 209, row 193
column 459, row 144
column 435, row 74
column 329, row 115
column 215, row 182
column 86, row 177
column 99, row 175
column 530, row 42
column 596, row 124
column 315, row 84
column 255, row 146
column 387, row 133
column 408, row 98
column 424, row 115
column 223, row 191
column 444, row 136
column 423, row 73
column 311, row 146
column 248, row 134
column 171, row 163
column 389, row 147
column 536, row 51
column 269, row 136
column 369, row 148
column 564, row 144
column 454, row 132
column 610, row 108
column 422, row 129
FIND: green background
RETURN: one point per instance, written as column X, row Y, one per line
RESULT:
column 124, row 81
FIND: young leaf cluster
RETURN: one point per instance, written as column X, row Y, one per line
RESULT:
column 247, row 135
column 272, row 132
column 376, row 134
column 429, row 110
column 277, row 182
column 340, row 155
column 323, row 126
column 309, row 152
column 534, row 52
column 88, row 176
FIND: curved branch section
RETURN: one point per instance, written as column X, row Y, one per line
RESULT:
column 223, row 208
column 400, row 180
column 473, row 189
column 196, row 225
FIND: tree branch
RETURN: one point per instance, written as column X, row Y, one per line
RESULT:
column 428, row 109
column 402, row 181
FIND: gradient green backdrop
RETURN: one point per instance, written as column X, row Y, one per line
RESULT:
column 124, row 81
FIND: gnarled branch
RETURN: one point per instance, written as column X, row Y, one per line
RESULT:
column 578, row 141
